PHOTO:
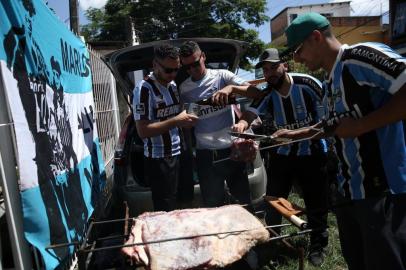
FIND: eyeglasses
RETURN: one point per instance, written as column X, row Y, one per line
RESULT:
column 297, row 50
column 167, row 69
column 275, row 65
column 194, row 64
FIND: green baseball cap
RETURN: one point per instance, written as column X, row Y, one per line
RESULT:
column 303, row 26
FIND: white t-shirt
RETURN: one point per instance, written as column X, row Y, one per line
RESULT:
column 214, row 124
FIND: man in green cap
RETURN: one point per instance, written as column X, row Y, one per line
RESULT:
column 365, row 97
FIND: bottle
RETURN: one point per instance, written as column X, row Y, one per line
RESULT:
column 209, row 102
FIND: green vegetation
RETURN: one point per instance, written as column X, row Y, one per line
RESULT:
column 285, row 261
column 169, row 19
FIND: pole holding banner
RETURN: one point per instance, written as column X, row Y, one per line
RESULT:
column 9, row 184
column 73, row 16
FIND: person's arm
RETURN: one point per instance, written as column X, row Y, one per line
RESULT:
column 246, row 119
column 147, row 128
column 300, row 133
column 222, row 96
column 394, row 110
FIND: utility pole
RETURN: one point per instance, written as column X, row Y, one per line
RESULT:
column 73, row 15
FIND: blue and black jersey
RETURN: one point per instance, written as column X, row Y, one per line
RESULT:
column 363, row 79
column 155, row 102
column 300, row 108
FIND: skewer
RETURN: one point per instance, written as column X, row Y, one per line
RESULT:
column 291, row 235
column 319, row 131
column 185, row 238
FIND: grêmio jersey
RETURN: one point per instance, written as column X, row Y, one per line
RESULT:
column 155, row 102
column 301, row 107
column 215, row 122
column 364, row 77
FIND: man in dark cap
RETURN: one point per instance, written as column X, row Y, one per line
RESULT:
column 293, row 101
column 365, row 97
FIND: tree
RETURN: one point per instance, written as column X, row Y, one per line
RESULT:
column 168, row 19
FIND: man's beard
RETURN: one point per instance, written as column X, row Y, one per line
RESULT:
column 161, row 78
column 279, row 83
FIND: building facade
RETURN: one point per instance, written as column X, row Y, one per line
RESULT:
column 348, row 29
column 397, row 21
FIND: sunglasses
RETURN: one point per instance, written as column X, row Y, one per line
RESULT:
column 194, row 64
column 168, row 70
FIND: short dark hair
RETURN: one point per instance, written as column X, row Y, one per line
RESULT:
column 188, row 48
column 166, row 50
column 327, row 32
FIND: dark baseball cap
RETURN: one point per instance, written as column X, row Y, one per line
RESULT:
column 269, row 55
column 302, row 27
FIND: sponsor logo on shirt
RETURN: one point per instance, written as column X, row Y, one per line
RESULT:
column 168, row 111
column 373, row 56
column 299, row 109
column 205, row 110
column 335, row 117
column 298, row 124
column 311, row 83
column 377, row 58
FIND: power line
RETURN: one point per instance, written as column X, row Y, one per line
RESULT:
column 356, row 27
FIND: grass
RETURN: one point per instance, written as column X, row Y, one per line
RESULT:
column 286, row 261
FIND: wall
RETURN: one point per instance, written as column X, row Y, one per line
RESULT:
column 335, row 9
column 398, row 25
column 350, row 30
column 283, row 19
column 279, row 24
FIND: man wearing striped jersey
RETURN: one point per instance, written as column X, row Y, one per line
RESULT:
column 365, row 98
column 293, row 101
column 213, row 140
column 159, row 119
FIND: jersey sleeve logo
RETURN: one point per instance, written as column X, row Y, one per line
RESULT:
column 375, row 58
column 140, row 109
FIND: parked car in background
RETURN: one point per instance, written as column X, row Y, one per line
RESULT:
column 130, row 185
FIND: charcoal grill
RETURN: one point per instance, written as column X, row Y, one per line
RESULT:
column 88, row 247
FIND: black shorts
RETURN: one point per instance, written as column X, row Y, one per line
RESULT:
column 162, row 175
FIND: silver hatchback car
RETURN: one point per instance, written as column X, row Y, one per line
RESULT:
column 130, row 185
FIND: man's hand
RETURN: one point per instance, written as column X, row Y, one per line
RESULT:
column 185, row 120
column 349, row 128
column 240, row 127
column 222, row 96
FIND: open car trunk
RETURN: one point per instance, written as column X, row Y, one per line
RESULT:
column 220, row 53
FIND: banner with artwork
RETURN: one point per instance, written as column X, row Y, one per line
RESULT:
column 45, row 71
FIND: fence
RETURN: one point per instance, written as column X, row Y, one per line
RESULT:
column 106, row 110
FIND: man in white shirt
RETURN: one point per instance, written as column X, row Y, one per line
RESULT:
column 213, row 140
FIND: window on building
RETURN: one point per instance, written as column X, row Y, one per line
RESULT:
column 292, row 17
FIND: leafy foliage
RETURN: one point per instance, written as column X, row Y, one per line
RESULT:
column 169, row 19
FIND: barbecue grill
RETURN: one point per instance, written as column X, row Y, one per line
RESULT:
column 90, row 245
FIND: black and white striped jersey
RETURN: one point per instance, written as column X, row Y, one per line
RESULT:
column 155, row 102
column 300, row 108
column 364, row 78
